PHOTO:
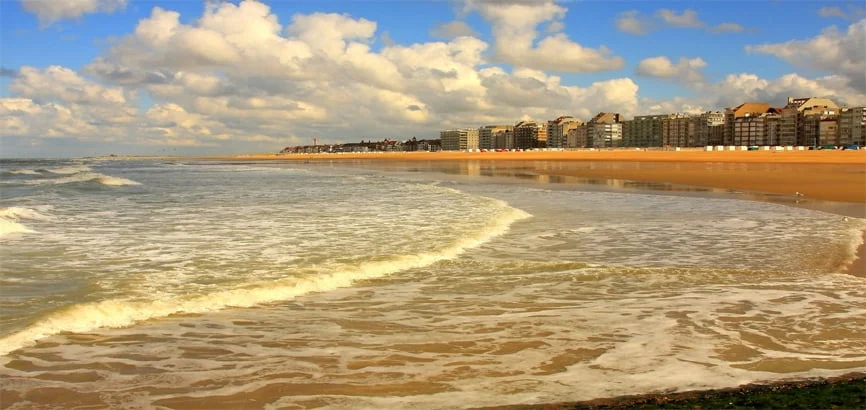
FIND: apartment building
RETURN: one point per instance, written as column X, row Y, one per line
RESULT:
column 741, row 122
column 828, row 130
column 604, row 130
column 504, row 139
column 852, row 126
column 578, row 137
column 772, row 128
column 642, row 131
column 530, row 134
column 461, row 139
column 677, row 130
column 487, row 133
column 795, row 129
column 757, row 129
column 557, row 130
column 709, row 128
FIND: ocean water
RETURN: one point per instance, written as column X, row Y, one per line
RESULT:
column 183, row 284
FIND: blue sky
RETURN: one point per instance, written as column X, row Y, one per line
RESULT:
column 221, row 77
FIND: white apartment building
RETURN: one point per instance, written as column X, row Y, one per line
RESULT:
column 461, row 139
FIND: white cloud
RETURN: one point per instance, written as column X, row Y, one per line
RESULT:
column 631, row 22
column 57, row 102
column 833, row 50
column 237, row 77
column 515, row 32
column 736, row 89
column 452, row 30
column 685, row 70
column 688, row 18
column 51, row 11
column 63, row 84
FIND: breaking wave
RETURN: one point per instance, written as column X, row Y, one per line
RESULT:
column 79, row 177
column 10, row 220
column 75, row 169
column 122, row 313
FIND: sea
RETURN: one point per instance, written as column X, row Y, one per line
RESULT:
column 173, row 283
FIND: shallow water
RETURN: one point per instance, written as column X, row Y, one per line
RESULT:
column 301, row 286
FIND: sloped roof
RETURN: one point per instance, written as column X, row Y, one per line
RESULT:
column 750, row 108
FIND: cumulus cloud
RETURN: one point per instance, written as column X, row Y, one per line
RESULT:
column 688, row 18
column 736, row 89
column 51, row 11
column 631, row 22
column 64, row 84
column 685, row 70
column 236, row 74
column 452, row 30
column 834, row 51
column 515, row 32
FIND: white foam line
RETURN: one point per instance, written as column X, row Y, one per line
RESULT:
column 69, row 170
column 82, row 177
column 122, row 313
column 10, row 220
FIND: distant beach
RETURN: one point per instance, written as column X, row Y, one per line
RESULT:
column 829, row 175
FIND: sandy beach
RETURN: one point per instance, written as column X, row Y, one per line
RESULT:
column 828, row 175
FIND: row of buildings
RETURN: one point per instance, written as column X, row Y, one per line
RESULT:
column 385, row 145
column 810, row 121
column 802, row 121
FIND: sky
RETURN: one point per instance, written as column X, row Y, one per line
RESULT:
column 191, row 77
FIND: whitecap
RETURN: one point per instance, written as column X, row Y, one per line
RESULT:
column 22, row 172
column 10, row 218
column 17, row 212
column 8, row 227
column 84, row 177
column 115, row 181
column 75, row 169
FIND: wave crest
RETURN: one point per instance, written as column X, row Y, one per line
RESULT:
column 122, row 313
column 81, row 177
column 10, row 219
column 74, row 169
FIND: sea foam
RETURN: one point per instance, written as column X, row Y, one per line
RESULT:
column 22, row 172
column 10, row 218
column 82, row 177
column 116, row 313
column 75, row 169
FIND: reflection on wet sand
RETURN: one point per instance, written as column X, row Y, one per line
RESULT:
column 699, row 178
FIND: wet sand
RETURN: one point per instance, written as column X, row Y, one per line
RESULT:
column 828, row 175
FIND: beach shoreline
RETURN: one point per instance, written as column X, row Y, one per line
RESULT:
column 827, row 180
